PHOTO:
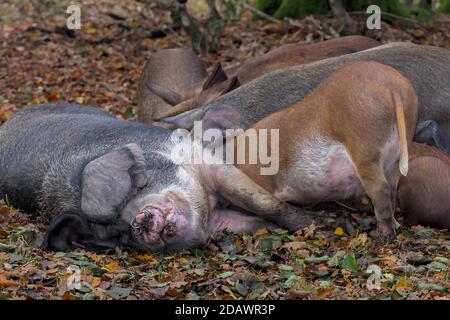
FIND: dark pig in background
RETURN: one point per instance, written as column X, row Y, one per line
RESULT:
column 223, row 81
column 102, row 182
column 424, row 194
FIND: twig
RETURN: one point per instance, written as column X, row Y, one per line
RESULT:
column 260, row 13
column 345, row 206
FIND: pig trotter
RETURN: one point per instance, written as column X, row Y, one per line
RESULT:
column 386, row 233
column 136, row 228
column 170, row 229
column 141, row 225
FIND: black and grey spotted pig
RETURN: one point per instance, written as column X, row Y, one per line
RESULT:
column 102, row 182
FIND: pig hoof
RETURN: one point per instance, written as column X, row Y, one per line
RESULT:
column 137, row 228
column 170, row 229
column 386, row 237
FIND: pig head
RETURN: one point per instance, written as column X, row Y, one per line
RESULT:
column 424, row 194
column 428, row 69
column 102, row 182
column 222, row 81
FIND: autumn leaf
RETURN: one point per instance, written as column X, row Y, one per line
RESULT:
column 295, row 245
column 53, row 96
column 403, row 285
column 5, row 211
column 145, row 257
column 226, row 274
column 112, row 266
column 300, row 295
column 8, row 283
column 118, row 292
column 324, row 293
column 79, row 100
column 339, row 231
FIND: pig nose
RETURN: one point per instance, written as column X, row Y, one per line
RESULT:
column 170, row 229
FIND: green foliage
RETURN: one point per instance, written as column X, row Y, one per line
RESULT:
column 444, row 6
column 300, row 8
column 268, row 6
column 422, row 14
column 390, row 6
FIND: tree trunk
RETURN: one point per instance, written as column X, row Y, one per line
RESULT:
column 426, row 4
column 345, row 21
column 205, row 35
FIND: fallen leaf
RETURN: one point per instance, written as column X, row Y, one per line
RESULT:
column 350, row 263
column 118, row 292
column 301, row 295
column 144, row 257
column 295, row 245
column 113, row 266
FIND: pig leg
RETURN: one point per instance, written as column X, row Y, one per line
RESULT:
column 240, row 190
column 380, row 192
column 237, row 222
column 393, row 178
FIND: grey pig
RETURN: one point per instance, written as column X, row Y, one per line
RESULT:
column 102, row 182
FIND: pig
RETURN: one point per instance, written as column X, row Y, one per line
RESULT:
column 102, row 182
column 174, row 69
column 222, row 81
column 427, row 67
column 347, row 138
column 424, row 194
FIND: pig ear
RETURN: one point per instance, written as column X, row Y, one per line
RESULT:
column 108, row 181
column 186, row 119
column 234, row 84
column 217, row 76
column 168, row 95
column 65, row 231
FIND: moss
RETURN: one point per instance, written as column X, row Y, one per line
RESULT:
column 391, row 6
column 422, row 14
column 444, row 6
column 301, row 8
column 268, row 6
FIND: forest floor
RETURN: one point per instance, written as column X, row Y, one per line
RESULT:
column 99, row 65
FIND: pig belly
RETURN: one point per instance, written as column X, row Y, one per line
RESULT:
column 320, row 172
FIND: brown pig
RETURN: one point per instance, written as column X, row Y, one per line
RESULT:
column 424, row 194
column 172, row 70
column 347, row 138
column 221, row 82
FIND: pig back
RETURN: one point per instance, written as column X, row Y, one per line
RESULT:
column 43, row 150
column 424, row 194
column 299, row 53
column 428, row 69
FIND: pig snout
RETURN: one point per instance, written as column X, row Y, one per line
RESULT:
column 154, row 225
